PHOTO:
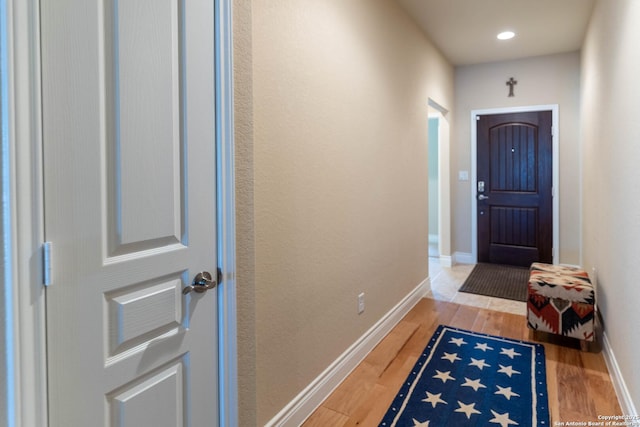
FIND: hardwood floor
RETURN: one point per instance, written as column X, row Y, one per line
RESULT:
column 579, row 385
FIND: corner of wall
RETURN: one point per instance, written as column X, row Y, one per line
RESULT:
column 619, row 385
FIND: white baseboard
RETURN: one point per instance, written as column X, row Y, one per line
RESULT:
column 619, row 385
column 463, row 258
column 446, row 261
column 303, row 405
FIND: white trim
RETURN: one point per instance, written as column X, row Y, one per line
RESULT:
column 303, row 405
column 463, row 258
column 446, row 261
column 227, row 322
column 7, row 365
column 619, row 385
column 27, row 229
column 579, row 267
column 444, row 182
column 555, row 171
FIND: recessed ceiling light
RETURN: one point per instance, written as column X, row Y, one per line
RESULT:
column 506, row 35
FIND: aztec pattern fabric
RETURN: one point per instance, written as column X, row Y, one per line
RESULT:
column 465, row 378
column 561, row 301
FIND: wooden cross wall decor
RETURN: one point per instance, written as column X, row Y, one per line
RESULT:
column 511, row 82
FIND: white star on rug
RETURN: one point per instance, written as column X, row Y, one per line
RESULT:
column 483, row 346
column 451, row 357
column 468, row 410
column 417, row 423
column 475, row 384
column 457, row 341
column 506, row 392
column 511, row 352
column 508, row 370
column 444, row 376
column 502, row 419
column 480, row 363
column 434, row 399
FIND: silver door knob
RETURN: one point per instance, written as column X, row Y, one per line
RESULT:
column 482, row 197
column 201, row 283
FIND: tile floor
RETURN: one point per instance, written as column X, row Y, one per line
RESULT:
column 445, row 282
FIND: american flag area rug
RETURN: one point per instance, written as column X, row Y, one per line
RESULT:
column 466, row 378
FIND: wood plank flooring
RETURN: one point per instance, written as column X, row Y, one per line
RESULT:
column 579, row 385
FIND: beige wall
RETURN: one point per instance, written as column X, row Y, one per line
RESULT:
column 611, row 175
column 245, row 242
column 340, row 92
column 541, row 80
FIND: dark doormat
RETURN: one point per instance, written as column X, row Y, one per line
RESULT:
column 501, row 281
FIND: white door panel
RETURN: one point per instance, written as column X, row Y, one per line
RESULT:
column 129, row 159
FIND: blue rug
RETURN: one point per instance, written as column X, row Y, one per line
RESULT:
column 465, row 378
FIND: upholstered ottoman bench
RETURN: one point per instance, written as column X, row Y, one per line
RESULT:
column 561, row 301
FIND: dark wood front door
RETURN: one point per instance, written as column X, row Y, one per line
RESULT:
column 515, row 214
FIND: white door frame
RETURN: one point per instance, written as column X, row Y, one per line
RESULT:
column 555, row 183
column 444, row 185
column 22, row 214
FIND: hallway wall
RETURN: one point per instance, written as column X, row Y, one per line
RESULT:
column 245, row 237
column 340, row 93
column 543, row 80
column 610, row 173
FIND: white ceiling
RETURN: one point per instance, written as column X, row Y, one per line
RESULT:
column 465, row 30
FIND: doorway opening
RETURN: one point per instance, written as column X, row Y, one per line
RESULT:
column 434, row 187
column 439, row 184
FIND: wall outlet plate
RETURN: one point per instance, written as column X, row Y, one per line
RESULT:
column 361, row 303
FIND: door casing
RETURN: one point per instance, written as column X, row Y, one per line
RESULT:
column 444, row 184
column 555, row 172
column 23, row 214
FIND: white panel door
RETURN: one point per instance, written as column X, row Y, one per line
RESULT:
column 129, row 160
